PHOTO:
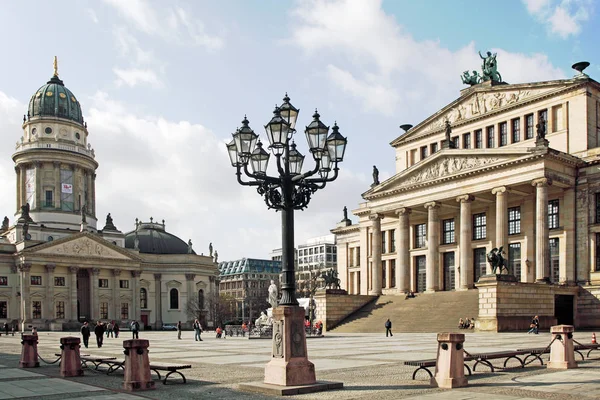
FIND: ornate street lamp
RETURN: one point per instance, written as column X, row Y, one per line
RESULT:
column 290, row 190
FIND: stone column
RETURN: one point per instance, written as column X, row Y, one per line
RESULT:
column 115, row 294
column 57, row 184
column 23, row 186
column 24, row 269
column 76, row 188
column 433, row 242
column 95, row 272
column 189, row 278
column 402, row 253
column 136, row 311
column 73, row 295
column 466, row 234
column 501, row 218
column 38, row 186
column 49, row 311
column 14, row 311
column 18, row 170
column 93, row 189
column 376, row 270
column 157, row 301
column 542, row 261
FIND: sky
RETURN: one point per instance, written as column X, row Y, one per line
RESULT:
column 163, row 85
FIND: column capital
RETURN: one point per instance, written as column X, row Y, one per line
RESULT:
column 73, row 270
column 499, row 190
column 50, row 267
column 465, row 198
column 136, row 274
column 95, row 271
column 56, row 164
column 116, row 272
column 157, row 277
column 403, row 211
column 540, row 182
column 375, row 216
column 37, row 164
column 25, row 267
column 17, row 168
column 432, row 204
column 13, row 269
column 190, row 277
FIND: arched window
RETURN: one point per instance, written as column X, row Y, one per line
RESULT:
column 174, row 297
column 201, row 299
column 143, row 298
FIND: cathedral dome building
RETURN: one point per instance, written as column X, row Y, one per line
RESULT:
column 58, row 267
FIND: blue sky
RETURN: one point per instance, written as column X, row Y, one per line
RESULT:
column 163, row 84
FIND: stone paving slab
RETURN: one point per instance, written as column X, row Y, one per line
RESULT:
column 581, row 381
column 458, row 394
column 40, row 387
column 18, row 373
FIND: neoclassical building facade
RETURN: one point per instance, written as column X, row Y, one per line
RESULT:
column 57, row 266
column 504, row 165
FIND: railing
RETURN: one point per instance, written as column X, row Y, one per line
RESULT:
column 59, row 146
column 234, row 330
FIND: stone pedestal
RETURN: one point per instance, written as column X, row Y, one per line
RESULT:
column 289, row 365
column 562, row 355
column 449, row 368
column 29, row 354
column 137, row 365
column 70, row 361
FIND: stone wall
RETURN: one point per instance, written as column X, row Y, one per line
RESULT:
column 588, row 307
column 509, row 306
column 332, row 308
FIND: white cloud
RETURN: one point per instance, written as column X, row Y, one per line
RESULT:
column 10, row 123
column 129, row 47
column 369, row 56
column 92, row 14
column 136, row 76
column 563, row 17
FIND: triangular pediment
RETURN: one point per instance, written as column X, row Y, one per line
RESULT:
column 480, row 101
column 448, row 164
column 83, row 245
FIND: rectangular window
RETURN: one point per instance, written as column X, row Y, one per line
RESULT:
column 392, row 273
column 3, row 280
column 467, row 141
column 514, row 259
column 59, row 281
column 3, row 309
column 490, row 138
column 434, row 148
column 479, row 226
column 516, row 130
column 478, row 139
column 543, row 115
column 420, row 235
column 597, row 252
column 30, row 187
column 553, row 247
column 36, row 280
column 124, row 284
column 60, row 309
column 597, row 207
column 36, row 309
column 393, row 240
column 66, row 191
column 383, row 243
column 455, row 141
column 103, row 310
column 529, row 126
column 553, row 214
column 514, row 220
column 479, row 263
column 103, row 283
column 124, row 310
column 49, row 199
column 423, row 152
column 503, row 134
column 448, row 231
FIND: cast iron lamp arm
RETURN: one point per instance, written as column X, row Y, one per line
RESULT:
column 259, row 177
column 241, row 182
column 309, row 173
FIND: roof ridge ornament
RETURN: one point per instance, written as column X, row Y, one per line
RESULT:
column 56, row 66
column 489, row 71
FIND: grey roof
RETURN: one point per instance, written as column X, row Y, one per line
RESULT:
column 252, row 265
column 153, row 239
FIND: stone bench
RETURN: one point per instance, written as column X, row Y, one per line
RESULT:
column 97, row 361
column 537, row 352
column 171, row 368
column 483, row 358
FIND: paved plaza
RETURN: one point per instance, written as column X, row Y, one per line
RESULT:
column 369, row 365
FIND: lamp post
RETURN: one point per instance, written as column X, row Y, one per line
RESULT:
column 290, row 190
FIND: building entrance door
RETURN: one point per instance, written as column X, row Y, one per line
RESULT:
column 420, row 261
column 144, row 320
column 563, row 309
column 83, row 295
column 449, row 271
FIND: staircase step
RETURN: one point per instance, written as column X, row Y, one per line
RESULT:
column 435, row 312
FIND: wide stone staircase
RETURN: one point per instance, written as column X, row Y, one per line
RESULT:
column 436, row 312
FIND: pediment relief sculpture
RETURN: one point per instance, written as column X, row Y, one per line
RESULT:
column 448, row 166
column 173, row 283
column 201, row 285
column 144, row 283
column 38, row 295
column 61, row 295
column 84, row 247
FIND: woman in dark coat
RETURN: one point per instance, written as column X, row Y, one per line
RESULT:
column 99, row 332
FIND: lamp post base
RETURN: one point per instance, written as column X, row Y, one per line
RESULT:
column 289, row 365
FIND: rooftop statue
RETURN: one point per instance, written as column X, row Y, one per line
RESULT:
column 468, row 79
column 210, row 249
column 541, row 128
column 489, row 68
column 345, row 213
column 216, row 256
column 4, row 224
column 190, row 250
column 375, row 176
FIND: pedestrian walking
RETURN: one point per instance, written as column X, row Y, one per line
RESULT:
column 534, row 325
column 99, row 332
column 6, row 328
column 179, row 330
column 116, row 329
column 197, row 331
column 109, row 329
column 388, row 328
column 85, row 334
column 135, row 329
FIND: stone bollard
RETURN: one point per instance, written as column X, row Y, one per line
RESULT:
column 70, row 361
column 449, row 368
column 562, row 354
column 29, row 354
column 137, row 365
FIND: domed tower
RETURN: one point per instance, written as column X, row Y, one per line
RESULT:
column 54, row 163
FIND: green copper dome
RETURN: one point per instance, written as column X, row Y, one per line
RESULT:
column 55, row 100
